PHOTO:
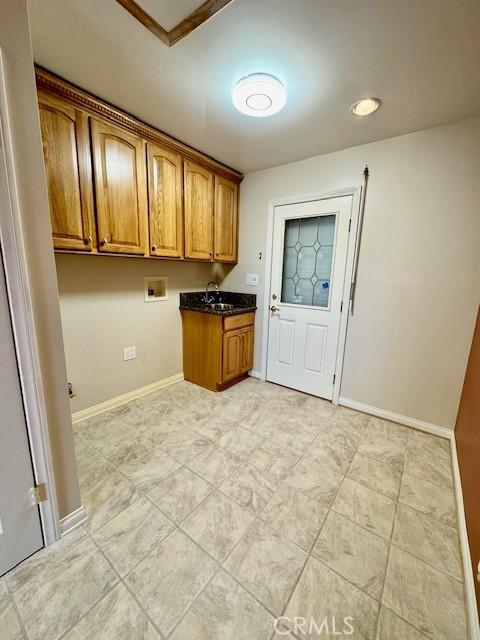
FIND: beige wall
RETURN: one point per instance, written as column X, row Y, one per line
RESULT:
column 35, row 221
column 103, row 310
column 419, row 276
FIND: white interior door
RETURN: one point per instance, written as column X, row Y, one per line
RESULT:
column 20, row 528
column 309, row 257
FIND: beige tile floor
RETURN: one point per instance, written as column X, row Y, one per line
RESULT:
column 212, row 515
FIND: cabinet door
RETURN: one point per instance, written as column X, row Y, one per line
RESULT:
column 231, row 355
column 66, row 152
column 246, row 350
column 121, row 189
column 226, row 200
column 198, row 186
column 165, row 202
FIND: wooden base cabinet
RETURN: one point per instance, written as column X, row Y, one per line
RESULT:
column 217, row 350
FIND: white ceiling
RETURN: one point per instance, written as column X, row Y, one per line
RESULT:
column 421, row 57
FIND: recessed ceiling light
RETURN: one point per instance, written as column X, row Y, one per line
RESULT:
column 259, row 95
column 365, row 107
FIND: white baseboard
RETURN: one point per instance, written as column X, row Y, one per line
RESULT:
column 255, row 374
column 78, row 416
column 472, row 610
column 434, row 429
column 73, row 520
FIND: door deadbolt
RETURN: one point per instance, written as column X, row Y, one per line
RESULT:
column 274, row 296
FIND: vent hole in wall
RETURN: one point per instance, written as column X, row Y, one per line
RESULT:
column 156, row 288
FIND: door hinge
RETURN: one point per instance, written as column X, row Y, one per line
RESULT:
column 40, row 493
column 334, row 376
column 349, row 225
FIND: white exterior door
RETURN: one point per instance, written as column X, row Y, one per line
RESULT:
column 309, row 257
column 20, row 529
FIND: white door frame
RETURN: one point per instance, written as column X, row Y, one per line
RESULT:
column 355, row 192
column 16, row 275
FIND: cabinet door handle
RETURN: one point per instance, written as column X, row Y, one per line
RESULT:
column 87, row 240
column 104, row 242
column 154, row 247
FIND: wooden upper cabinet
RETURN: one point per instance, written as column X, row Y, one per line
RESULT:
column 198, row 194
column 121, row 189
column 225, row 223
column 165, row 206
column 66, row 151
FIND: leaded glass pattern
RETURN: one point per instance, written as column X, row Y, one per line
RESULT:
column 307, row 260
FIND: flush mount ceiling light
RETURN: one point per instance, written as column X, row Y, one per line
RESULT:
column 259, row 95
column 365, row 107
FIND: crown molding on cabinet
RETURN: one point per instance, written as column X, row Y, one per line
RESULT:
column 51, row 83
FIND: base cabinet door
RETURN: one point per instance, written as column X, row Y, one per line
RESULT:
column 198, row 194
column 120, row 188
column 165, row 206
column 246, row 349
column 231, row 355
column 225, row 220
column 66, row 151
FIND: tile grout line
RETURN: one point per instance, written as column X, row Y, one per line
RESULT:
column 220, row 567
column 125, row 584
column 221, row 564
column 382, row 593
column 382, row 603
column 309, row 554
column 258, row 516
column 72, row 626
column 17, row 613
column 184, row 465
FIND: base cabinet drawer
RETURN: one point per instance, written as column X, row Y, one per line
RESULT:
column 238, row 321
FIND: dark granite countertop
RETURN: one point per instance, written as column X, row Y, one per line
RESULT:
column 242, row 302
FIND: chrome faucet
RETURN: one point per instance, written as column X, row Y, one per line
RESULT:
column 207, row 299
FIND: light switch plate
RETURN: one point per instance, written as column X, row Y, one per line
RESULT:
column 251, row 279
column 129, row 353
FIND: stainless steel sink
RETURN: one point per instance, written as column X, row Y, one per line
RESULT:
column 220, row 306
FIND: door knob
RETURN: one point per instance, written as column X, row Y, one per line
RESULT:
column 274, row 308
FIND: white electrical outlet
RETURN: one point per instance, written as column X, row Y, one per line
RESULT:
column 251, row 279
column 129, row 353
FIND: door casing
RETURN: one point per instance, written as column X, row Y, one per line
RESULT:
column 16, row 274
column 355, row 192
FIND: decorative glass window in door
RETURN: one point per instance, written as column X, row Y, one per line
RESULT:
column 307, row 260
